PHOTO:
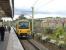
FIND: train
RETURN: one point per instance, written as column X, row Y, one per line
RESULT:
column 24, row 28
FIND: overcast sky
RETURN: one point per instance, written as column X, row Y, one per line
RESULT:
column 42, row 8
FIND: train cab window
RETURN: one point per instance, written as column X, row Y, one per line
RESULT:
column 23, row 25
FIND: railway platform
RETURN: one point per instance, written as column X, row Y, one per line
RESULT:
column 11, row 42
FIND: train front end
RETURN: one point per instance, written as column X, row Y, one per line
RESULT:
column 23, row 29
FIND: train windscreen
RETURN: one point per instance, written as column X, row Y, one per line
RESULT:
column 23, row 25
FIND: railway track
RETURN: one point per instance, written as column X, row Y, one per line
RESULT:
column 32, row 45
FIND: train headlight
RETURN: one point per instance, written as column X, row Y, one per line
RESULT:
column 19, row 30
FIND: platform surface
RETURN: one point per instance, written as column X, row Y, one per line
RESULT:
column 11, row 42
column 3, row 44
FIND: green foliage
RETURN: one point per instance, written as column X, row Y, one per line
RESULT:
column 65, row 28
column 48, row 31
column 59, row 31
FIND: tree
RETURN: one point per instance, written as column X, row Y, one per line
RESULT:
column 22, row 17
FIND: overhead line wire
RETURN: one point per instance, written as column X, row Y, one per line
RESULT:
column 35, row 3
column 40, row 3
column 44, row 4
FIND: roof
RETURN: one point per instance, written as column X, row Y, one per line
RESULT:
column 5, row 8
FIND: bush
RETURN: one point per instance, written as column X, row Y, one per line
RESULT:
column 59, row 31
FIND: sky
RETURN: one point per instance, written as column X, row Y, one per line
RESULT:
column 42, row 8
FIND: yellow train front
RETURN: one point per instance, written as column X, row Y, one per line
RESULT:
column 23, row 28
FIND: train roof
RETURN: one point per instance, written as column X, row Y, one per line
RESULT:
column 24, row 20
